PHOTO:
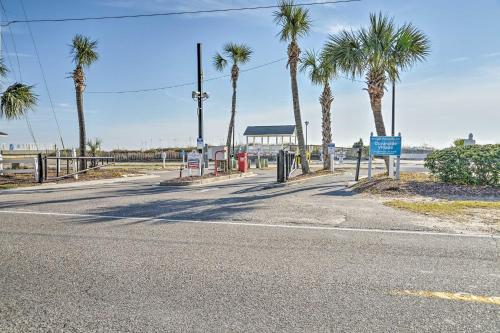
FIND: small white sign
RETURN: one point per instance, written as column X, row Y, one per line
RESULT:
column 331, row 148
column 199, row 143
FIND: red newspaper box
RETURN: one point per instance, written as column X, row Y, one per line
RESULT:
column 242, row 161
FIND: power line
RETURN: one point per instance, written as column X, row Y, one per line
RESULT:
column 14, row 45
column 95, row 18
column 184, row 84
column 43, row 74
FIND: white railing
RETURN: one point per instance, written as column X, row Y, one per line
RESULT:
column 26, row 147
column 33, row 161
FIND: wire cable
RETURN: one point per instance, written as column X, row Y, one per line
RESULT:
column 207, row 11
column 43, row 74
column 205, row 80
column 183, row 84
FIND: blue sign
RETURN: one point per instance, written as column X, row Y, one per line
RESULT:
column 385, row 145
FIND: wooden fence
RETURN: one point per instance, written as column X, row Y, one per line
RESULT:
column 20, row 166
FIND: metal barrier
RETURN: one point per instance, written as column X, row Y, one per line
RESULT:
column 286, row 165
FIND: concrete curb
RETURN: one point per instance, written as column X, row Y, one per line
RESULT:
column 208, row 180
column 47, row 186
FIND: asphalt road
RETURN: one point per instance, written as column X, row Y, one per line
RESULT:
column 236, row 256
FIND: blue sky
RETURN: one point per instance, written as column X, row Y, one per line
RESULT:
column 456, row 91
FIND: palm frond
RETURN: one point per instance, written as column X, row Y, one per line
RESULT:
column 239, row 53
column 17, row 100
column 346, row 52
column 219, row 62
column 293, row 20
column 380, row 48
column 410, row 47
column 83, row 51
column 319, row 68
column 3, row 69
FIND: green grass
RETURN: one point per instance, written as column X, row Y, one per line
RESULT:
column 7, row 186
column 442, row 208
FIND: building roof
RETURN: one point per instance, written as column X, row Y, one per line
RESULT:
column 270, row 130
column 3, row 134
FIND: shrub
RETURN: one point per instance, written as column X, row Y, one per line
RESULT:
column 466, row 165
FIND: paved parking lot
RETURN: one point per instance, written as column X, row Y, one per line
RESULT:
column 240, row 255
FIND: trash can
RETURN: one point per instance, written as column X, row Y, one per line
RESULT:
column 242, row 161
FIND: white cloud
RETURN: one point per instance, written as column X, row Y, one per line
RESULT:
column 459, row 59
column 19, row 54
column 490, row 55
column 333, row 28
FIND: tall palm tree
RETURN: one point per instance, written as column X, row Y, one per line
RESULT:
column 83, row 51
column 294, row 22
column 379, row 52
column 238, row 54
column 320, row 73
column 17, row 99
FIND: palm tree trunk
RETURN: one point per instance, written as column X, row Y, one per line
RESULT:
column 326, row 100
column 81, row 124
column 376, row 94
column 234, row 75
column 293, row 56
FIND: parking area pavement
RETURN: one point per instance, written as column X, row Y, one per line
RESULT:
column 241, row 255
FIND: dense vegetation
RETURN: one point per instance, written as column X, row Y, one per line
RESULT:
column 466, row 165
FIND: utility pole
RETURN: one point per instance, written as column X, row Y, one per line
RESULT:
column 200, row 96
column 393, row 131
column 233, row 142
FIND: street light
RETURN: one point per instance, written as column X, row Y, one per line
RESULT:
column 307, row 124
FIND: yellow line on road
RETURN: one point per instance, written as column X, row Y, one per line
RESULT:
column 450, row 296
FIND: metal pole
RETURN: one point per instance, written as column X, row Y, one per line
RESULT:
column 200, row 94
column 358, row 165
column 40, row 168
column 393, row 107
column 307, row 124
column 200, row 102
column 233, row 142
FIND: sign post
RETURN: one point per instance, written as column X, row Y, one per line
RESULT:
column 385, row 146
column 164, row 158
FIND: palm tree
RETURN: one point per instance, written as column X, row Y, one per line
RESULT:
column 84, row 54
column 320, row 73
column 378, row 52
column 238, row 54
column 94, row 147
column 294, row 22
column 17, row 99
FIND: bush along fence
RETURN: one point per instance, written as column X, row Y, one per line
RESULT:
column 52, row 168
column 466, row 165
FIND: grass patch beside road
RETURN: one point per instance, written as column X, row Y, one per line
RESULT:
column 483, row 216
column 443, row 207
